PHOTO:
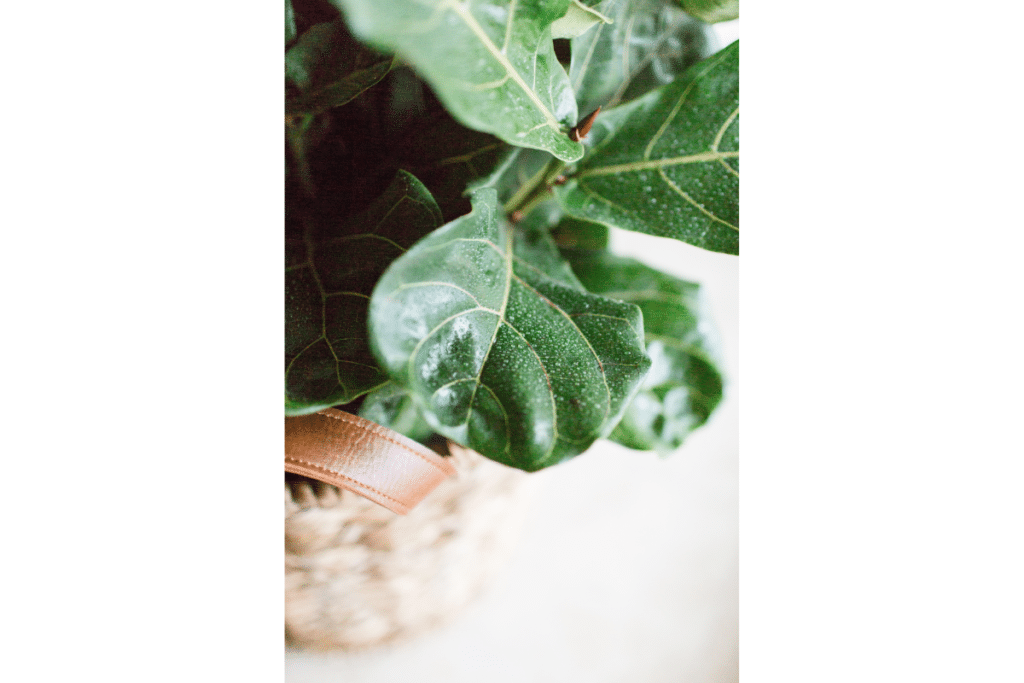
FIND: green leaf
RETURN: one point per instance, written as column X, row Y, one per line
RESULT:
column 712, row 11
column 499, row 356
column 492, row 62
column 329, row 276
column 577, row 21
column 393, row 407
column 330, row 68
column 290, row 31
column 684, row 384
column 649, row 44
column 667, row 164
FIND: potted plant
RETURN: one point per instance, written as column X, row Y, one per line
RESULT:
column 453, row 171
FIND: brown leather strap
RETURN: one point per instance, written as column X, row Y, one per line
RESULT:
column 362, row 456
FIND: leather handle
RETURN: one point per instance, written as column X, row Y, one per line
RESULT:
column 362, row 456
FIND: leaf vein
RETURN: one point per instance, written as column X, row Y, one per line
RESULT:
column 485, row 39
column 712, row 63
column 551, row 390
column 501, row 317
column 432, row 283
column 658, row 163
column 612, row 317
column 690, row 199
column 721, row 131
column 421, row 342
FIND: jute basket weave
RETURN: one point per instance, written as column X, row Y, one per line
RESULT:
column 358, row 575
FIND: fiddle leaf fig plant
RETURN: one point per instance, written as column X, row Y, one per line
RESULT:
column 454, row 170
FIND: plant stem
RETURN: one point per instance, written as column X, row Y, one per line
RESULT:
column 534, row 202
column 534, row 190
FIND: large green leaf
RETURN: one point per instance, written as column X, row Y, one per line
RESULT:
column 667, row 164
column 492, row 62
column 328, row 68
column 712, row 11
column 329, row 276
column 502, row 358
column 684, row 384
column 649, row 44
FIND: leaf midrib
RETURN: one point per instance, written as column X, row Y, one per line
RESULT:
column 485, row 39
column 507, row 256
column 701, row 157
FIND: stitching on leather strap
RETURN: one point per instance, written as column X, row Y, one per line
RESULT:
column 331, row 472
column 368, row 454
column 345, row 418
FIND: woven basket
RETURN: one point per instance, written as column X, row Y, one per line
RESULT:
column 358, row 575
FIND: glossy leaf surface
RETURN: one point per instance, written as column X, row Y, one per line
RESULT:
column 502, row 358
column 667, row 164
column 392, row 406
column 684, row 384
column 328, row 68
column 491, row 62
column 649, row 44
column 712, row 11
column 329, row 276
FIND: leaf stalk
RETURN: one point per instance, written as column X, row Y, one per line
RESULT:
column 535, row 190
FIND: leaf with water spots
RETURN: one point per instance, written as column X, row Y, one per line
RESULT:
column 649, row 44
column 667, row 164
column 524, row 368
column 329, row 276
column 684, row 384
column 491, row 62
